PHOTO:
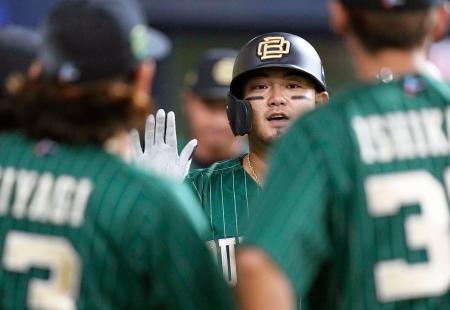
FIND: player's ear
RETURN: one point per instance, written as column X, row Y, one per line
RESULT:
column 442, row 20
column 145, row 75
column 322, row 98
column 338, row 17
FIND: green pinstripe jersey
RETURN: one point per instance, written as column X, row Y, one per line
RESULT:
column 225, row 191
column 355, row 209
column 79, row 228
column 196, row 165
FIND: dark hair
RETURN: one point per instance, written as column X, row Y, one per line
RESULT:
column 378, row 30
column 88, row 113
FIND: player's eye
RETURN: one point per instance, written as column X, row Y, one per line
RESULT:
column 259, row 86
column 294, row 85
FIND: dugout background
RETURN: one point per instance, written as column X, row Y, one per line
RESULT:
column 194, row 25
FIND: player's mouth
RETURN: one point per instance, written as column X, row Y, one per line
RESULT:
column 278, row 120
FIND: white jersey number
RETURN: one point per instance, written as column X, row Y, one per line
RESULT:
column 24, row 251
column 396, row 279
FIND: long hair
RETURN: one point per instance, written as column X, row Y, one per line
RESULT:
column 73, row 113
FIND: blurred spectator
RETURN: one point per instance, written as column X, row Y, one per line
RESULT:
column 204, row 101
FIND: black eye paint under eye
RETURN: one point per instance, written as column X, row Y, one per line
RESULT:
column 299, row 97
column 254, row 98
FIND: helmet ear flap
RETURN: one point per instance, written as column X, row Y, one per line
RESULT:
column 239, row 114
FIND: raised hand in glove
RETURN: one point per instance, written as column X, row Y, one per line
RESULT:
column 160, row 155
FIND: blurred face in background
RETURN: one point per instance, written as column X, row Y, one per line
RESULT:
column 208, row 122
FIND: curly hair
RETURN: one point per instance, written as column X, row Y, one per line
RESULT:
column 78, row 114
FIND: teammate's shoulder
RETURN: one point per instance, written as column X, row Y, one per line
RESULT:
column 439, row 85
column 124, row 174
column 362, row 93
column 355, row 96
column 219, row 167
column 325, row 122
column 12, row 136
column 322, row 117
column 141, row 180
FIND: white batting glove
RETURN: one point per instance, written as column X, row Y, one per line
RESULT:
column 160, row 155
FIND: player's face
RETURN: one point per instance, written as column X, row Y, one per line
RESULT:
column 278, row 96
column 209, row 123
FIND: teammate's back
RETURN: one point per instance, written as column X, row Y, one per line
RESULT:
column 385, row 238
column 79, row 228
column 93, row 231
column 364, row 216
column 365, row 212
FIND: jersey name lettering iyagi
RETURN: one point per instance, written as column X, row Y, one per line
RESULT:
column 43, row 197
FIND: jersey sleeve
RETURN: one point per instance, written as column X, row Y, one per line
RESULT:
column 194, row 181
column 290, row 215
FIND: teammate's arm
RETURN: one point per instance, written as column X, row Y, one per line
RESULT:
column 259, row 276
column 290, row 220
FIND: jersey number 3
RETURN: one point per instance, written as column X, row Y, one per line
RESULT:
column 24, row 251
column 386, row 194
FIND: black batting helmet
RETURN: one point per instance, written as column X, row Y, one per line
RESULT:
column 271, row 50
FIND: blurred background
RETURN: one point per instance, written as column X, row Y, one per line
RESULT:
column 195, row 25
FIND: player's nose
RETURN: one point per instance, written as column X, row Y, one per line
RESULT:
column 277, row 96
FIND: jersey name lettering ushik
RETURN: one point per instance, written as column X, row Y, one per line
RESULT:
column 403, row 135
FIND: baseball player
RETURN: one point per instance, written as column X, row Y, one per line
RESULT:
column 276, row 77
column 204, row 103
column 18, row 48
column 355, row 211
column 79, row 227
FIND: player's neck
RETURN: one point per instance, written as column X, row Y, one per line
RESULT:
column 398, row 62
column 255, row 164
column 119, row 145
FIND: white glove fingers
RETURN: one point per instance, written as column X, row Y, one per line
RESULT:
column 171, row 132
column 186, row 153
column 160, row 126
column 149, row 132
column 136, row 143
column 188, row 166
